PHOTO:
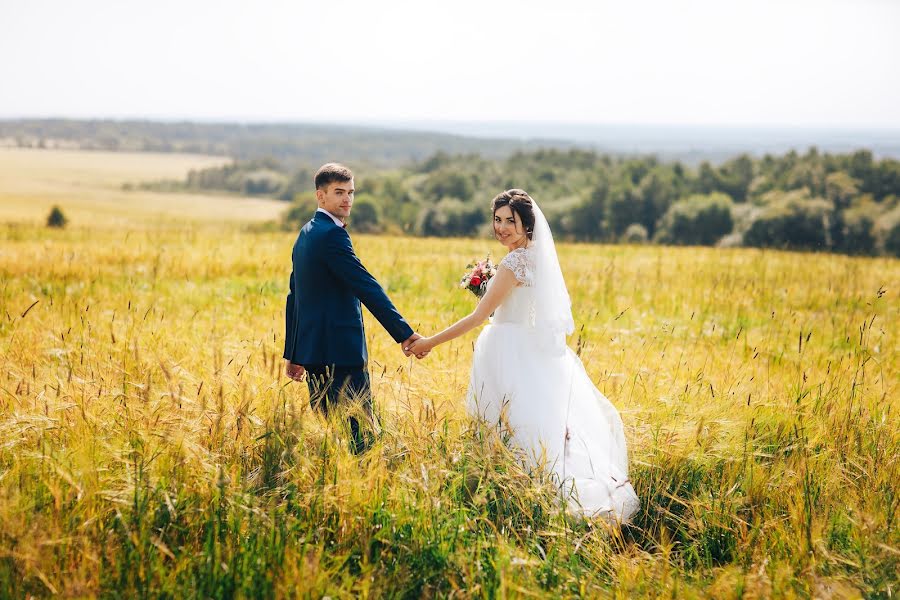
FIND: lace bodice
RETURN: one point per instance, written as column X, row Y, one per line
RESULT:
column 521, row 262
column 518, row 306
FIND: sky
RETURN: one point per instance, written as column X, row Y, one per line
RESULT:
column 802, row 63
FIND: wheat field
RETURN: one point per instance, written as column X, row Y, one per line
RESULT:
column 150, row 445
column 89, row 188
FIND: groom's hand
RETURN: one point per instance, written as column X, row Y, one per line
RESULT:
column 295, row 372
column 421, row 347
column 405, row 345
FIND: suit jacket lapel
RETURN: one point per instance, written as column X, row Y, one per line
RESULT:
column 322, row 217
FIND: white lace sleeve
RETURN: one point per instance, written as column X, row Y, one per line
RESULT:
column 519, row 262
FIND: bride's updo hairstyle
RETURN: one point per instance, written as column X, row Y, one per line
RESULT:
column 521, row 204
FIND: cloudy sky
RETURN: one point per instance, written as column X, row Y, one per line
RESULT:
column 833, row 63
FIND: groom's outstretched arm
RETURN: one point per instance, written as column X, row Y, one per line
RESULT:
column 346, row 266
column 295, row 372
column 289, row 321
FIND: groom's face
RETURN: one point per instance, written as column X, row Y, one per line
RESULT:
column 337, row 198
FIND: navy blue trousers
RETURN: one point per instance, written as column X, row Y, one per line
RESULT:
column 332, row 386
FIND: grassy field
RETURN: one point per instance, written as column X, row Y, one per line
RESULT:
column 88, row 188
column 150, row 445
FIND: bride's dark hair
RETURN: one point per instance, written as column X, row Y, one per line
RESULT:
column 520, row 203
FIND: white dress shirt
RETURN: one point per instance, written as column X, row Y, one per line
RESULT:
column 337, row 221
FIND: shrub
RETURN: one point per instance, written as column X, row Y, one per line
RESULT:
column 449, row 183
column 858, row 228
column 731, row 240
column 262, row 182
column 301, row 210
column 696, row 220
column 450, row 217
column 792, row 220
column 635, row 234
column 365, row 216
column 887, row 232
column 56, row 218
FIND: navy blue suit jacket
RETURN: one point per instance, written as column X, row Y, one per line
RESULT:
column 323, row 318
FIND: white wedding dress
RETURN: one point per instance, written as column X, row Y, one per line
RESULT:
column 527, row 380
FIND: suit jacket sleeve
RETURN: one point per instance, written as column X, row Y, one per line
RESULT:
column 346, row 266
column 289, row 322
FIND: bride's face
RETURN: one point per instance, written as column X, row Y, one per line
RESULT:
column 508, row 228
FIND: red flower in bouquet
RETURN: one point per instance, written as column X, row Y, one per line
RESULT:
column 478, row 275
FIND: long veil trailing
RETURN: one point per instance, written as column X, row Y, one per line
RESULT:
column 552, row 305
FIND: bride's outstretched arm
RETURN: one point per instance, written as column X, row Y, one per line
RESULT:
column 503, row 283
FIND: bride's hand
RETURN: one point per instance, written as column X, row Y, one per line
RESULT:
column 421, row 347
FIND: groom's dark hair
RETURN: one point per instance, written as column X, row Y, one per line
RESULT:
column 520, row 203
column 331, row 172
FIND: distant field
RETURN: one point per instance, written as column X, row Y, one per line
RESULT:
column 88, row 188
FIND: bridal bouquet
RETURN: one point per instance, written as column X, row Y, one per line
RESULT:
column 478, row 273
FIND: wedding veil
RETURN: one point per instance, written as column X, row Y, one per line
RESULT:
column 552, row 305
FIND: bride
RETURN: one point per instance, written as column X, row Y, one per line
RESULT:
column 524, row 377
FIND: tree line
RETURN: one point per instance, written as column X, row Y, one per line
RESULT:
column 844, row 203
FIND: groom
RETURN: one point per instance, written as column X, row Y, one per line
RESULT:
column 325, row 342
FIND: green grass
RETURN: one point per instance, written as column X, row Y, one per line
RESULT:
column 150, row 445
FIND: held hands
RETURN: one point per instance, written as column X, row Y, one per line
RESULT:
column 295, row 372
column 298, row 373
column 407, row 346
column 421, row 347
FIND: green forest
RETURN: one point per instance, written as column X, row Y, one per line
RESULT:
column 812, row 201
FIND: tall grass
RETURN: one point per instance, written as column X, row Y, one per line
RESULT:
column 150, row 445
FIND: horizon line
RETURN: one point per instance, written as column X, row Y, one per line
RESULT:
column 394, row 121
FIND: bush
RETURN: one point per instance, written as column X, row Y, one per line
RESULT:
column 365, row 216
column 792, row 220
column 731, row 240
column 635, row 234
column 887, row 232
column 696, row 220
column 858, row 229
column 449, row 183
column 262, row 182
column 743, row 215
column 624, row 206
column 56, row 218
column 578, row 218
column 450, row 217
column 301, row 210
column 841, row 189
